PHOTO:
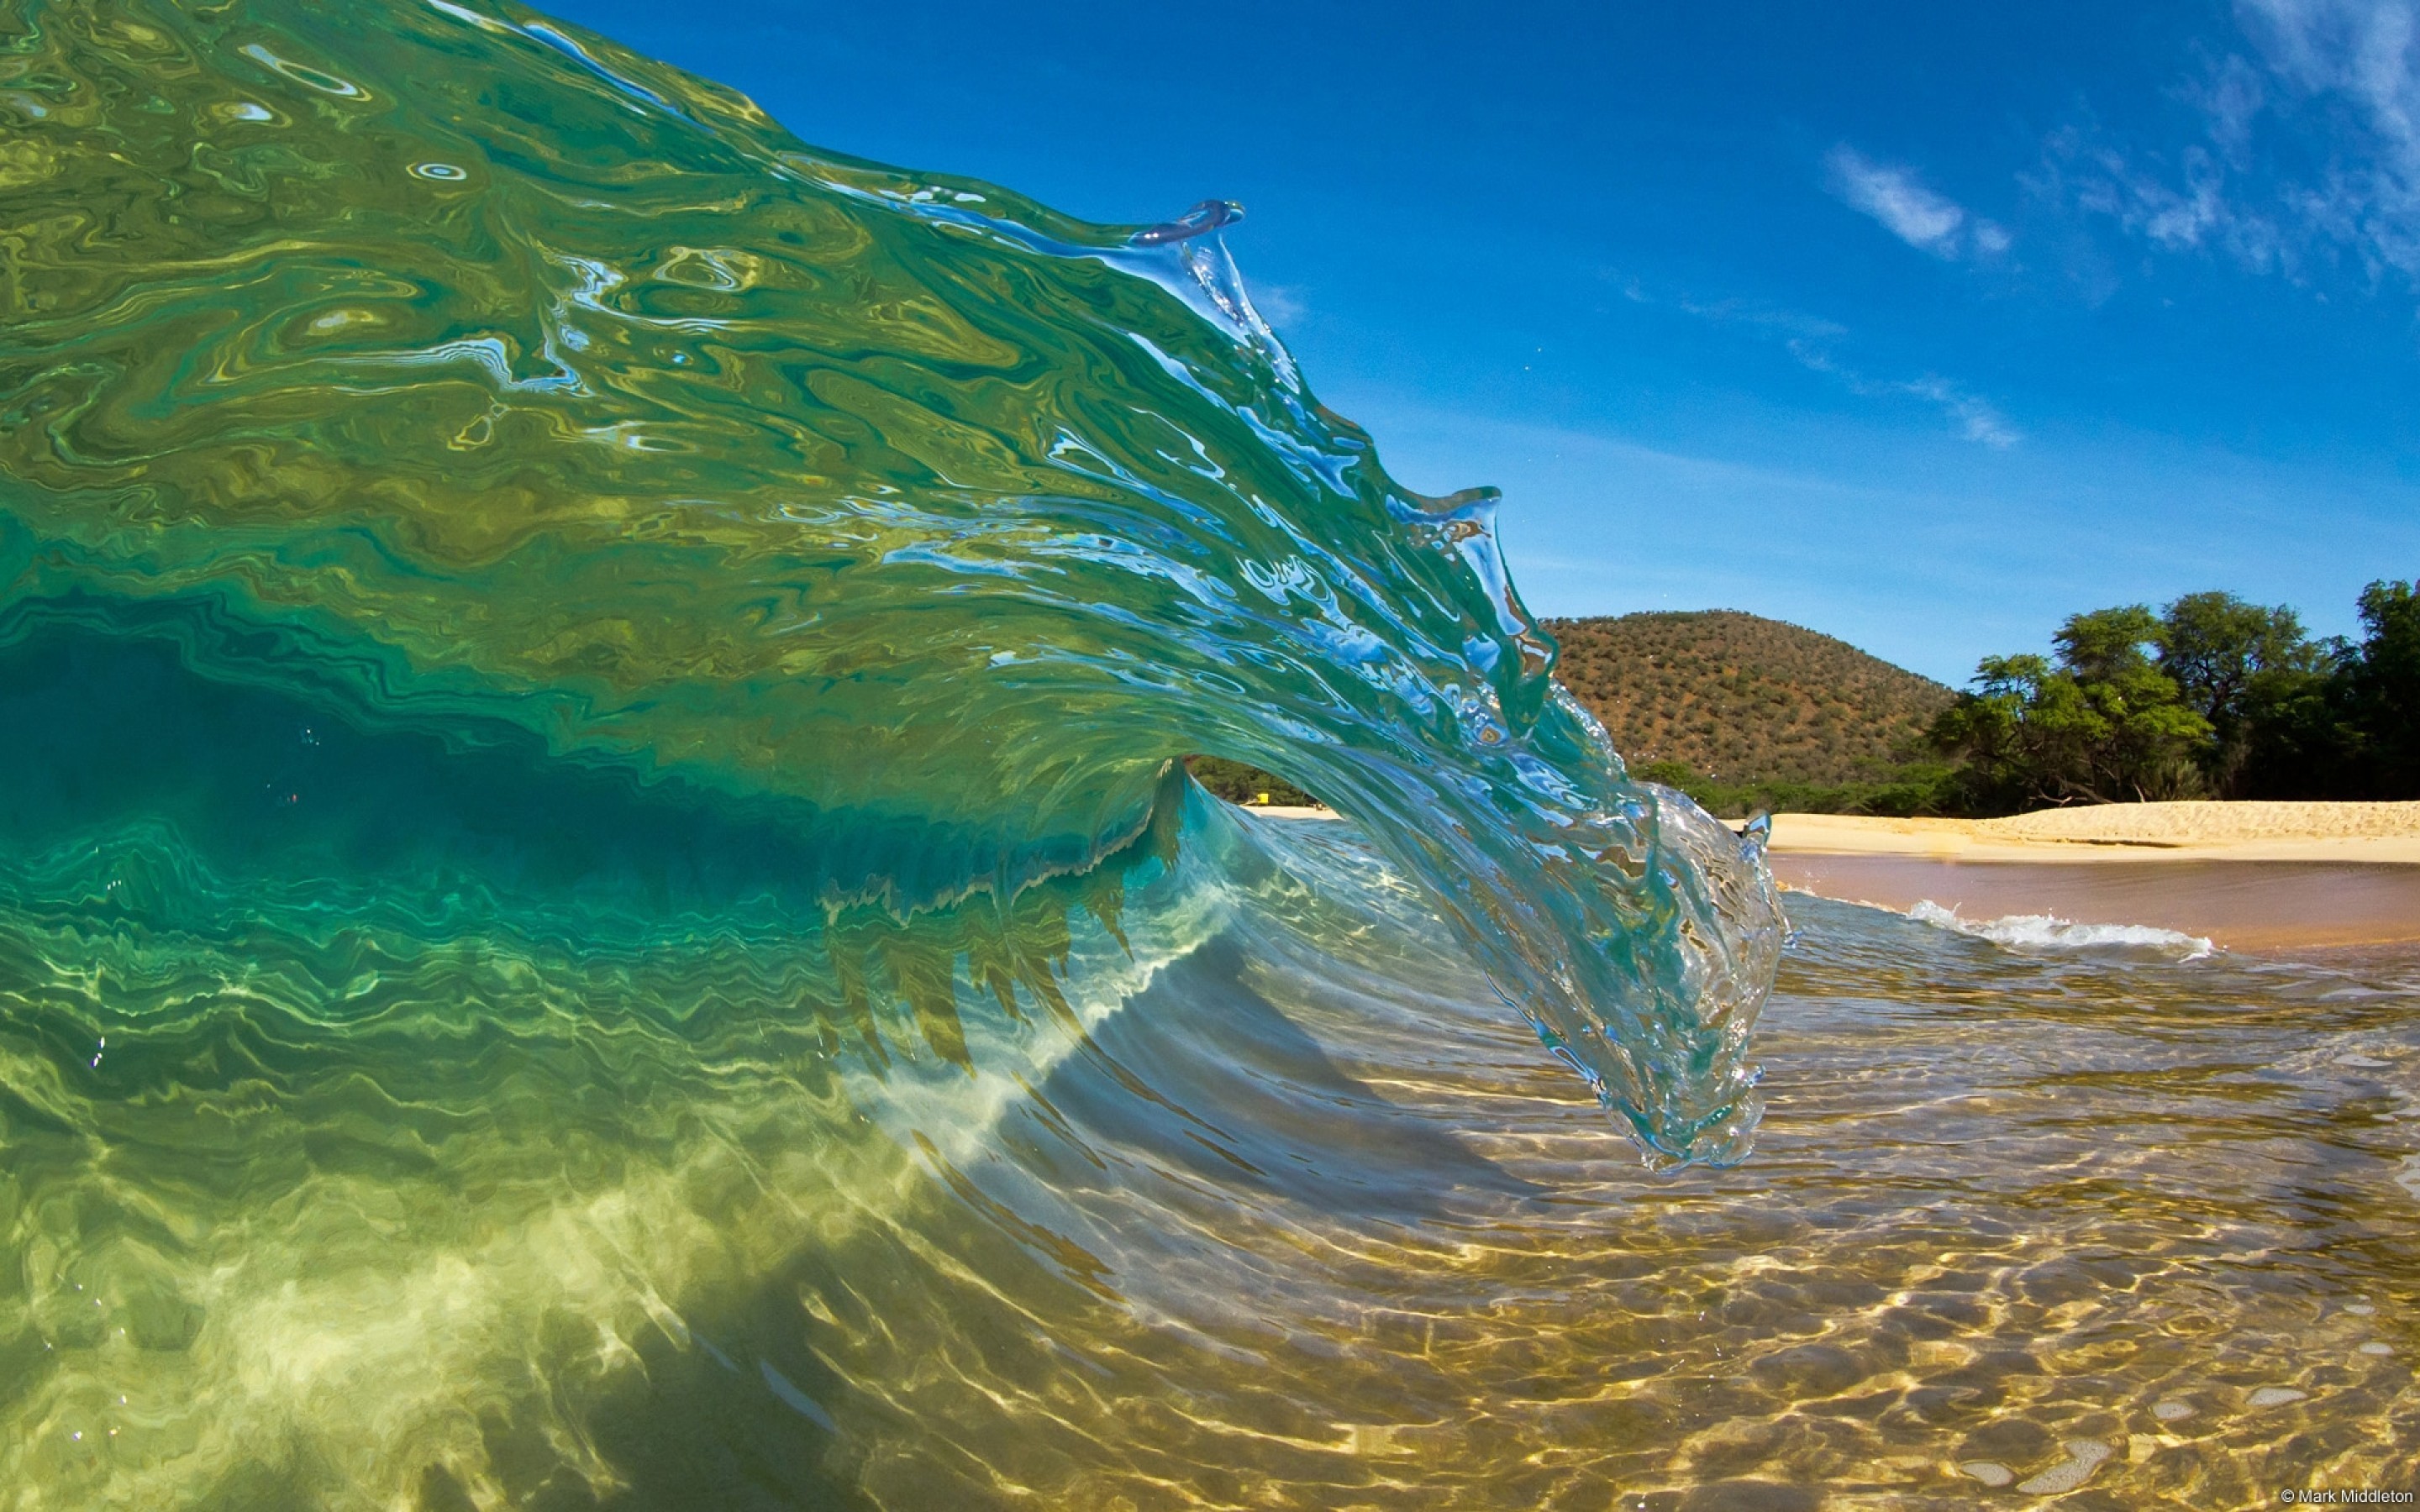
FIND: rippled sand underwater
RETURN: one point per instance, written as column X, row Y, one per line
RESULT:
column 1282, row 1211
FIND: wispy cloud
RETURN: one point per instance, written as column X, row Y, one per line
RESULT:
column 1280, row 304
column 2356, row 65
column 2331, row 83
column 2183, row 203
column 1754, row 314
column 1811, row 340
column 1907, row 209
column 1975, row 418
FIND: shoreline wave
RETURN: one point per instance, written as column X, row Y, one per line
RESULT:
column 2048, row 930
column 529, row 393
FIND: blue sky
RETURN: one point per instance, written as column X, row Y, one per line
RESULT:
column 1920, row 325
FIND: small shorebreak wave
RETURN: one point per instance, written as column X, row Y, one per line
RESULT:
column 2046, row 932
column 435, row 361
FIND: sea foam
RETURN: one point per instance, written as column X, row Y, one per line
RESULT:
column 2049, row 932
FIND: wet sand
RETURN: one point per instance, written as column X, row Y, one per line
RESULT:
column 2263, row 906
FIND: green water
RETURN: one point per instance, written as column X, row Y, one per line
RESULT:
column 488, row 377
column 595, row 907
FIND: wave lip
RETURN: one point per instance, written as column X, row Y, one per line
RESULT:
column 2040, row 931
column 497, row 377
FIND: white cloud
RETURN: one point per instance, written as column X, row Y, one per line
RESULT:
column 1895, row 198
column 1976, row 419
column 2195, row 212
column 2358, row 61
column 2334, row 83
column 1280, row 304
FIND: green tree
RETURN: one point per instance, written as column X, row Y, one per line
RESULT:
column 2380, row 691
column 2240, row 667
column 2101, row 724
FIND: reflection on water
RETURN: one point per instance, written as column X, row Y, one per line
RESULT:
column 1278, row 1211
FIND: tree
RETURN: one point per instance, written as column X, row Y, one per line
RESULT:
column 2381, row 690
column 2240, row 666
column 2103, row 724
column 2213, row 694
column 2107, row 643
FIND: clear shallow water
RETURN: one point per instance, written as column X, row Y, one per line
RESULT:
column 1301, row 1219
column 594, row 910
column 2249, row 905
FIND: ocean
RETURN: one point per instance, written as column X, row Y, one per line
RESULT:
column 598, row 904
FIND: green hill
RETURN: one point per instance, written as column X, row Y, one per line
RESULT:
column 1750, row 711
column 1742, row 711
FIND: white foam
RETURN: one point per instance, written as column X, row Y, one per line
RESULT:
column 2047, row 930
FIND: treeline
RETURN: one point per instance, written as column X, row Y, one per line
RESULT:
column 2210, row 697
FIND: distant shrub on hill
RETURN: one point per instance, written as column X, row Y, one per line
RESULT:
column 1239, row 783
column 1745, row 712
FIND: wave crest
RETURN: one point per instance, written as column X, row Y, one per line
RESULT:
column 506, row 377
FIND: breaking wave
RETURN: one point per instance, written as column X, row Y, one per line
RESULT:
column 2046, row 932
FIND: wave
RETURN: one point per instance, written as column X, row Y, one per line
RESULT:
column 483, row 385
column 2047, row 932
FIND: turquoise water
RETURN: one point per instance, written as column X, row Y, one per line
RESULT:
column 456, row 380
column 595, row 907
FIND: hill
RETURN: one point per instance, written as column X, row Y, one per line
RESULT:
column 1740, row 711
column 1741, row 700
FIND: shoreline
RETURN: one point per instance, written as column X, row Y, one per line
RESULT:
column 2352, row 834
column 2266, row 878
column 2260, row 906
column 2378, row 834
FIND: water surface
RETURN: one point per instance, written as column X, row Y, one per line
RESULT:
column 597, row 907
column 2292, row 906
column 1286, row 1212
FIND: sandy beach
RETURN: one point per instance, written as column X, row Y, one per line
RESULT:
column 2372, row 833
column 2252, row 877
